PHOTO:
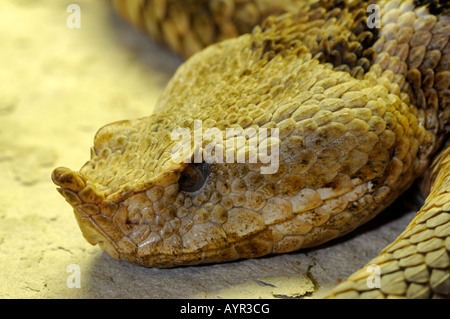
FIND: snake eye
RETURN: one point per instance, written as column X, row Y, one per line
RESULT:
column 194, row 177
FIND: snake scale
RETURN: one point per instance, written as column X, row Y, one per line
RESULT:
column 355, row 113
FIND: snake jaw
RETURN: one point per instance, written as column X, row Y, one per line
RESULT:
column 105, row 215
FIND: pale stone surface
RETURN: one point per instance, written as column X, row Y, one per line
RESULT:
column 59, row 86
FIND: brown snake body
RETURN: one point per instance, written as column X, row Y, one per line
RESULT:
column 355, row 112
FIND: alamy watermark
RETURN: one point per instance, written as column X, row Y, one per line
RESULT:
column 74, row 279
column 237, row 146
column 374, row 279
column 373, row 20
column 73, row 21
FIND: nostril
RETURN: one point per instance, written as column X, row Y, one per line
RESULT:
column 57, row 173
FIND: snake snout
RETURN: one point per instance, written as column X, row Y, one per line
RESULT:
column 75, row 189
column 66, row 178
column 85, row 200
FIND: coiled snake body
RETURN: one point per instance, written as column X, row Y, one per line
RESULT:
column 356, row 112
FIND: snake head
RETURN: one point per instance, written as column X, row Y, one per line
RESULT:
column 141, row 206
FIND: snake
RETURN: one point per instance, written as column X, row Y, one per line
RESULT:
column 293, row 123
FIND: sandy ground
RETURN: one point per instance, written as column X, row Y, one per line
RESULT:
column 59, row 85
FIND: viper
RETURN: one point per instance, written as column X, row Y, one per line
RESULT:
column 354, row 99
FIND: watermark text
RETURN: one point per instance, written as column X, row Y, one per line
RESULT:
column 73, row 21
column 237, row 146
